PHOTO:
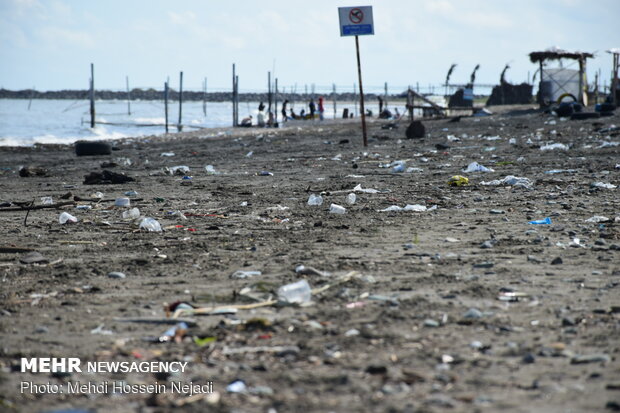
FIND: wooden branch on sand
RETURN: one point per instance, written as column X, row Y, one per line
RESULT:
column 30, row 207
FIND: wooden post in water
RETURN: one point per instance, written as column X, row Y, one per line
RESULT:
column 204, row 98
column 275, row 99
column 180, row 125
column 385, row 95
column 234, row 106
column 410, row 101
column 92, row 95
column 31, row 96
column 237, row 100
column 359, row 74
column 166, row 104
column 269, row 98
column 334, row 99
column 128, row 96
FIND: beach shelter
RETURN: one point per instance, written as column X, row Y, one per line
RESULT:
column 555, row 83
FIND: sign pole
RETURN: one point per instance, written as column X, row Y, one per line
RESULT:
column 359, row 74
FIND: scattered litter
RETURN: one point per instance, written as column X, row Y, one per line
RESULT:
column 546, row 221
column 337, row 209
column 553, row 146
column 597, row 219
column 516, row 181
column 476, row 167
column 295, row 293
column 603, row 185
column 122, row 202
column 358, row 188
column 237, row 386
column 150, row 224
column 458, row 180
column 240, row 274
column 130, row 193
column 133, row 213
column 33, row 257
column 66, row 217
column 560, row 171
column 178, row 170
column 167, row 154
column 351, row 198
column 211, row 170
column 264, row 173
column 47, row 200
column 315, row 200
column 408, row 207
column 99, row 330
column 116, row 274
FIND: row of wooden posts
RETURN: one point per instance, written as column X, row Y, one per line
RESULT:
column 272, row 99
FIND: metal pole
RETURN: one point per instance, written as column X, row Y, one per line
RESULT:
column 275, row 98
column 334, row 98
column 92, row 95
column 359, row 75
column 166, row 103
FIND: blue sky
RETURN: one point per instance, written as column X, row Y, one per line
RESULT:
column 49, row 44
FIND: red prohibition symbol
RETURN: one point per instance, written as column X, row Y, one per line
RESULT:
column 356, row 16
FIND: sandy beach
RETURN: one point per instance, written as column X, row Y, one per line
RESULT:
column 457, row 305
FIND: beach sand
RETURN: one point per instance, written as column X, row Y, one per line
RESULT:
column 420, row 325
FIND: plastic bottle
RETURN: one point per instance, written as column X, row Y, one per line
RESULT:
column 133, row 213
column 150, row 224
column 351, row 198
column 315, row 199
column 66, row 217
column 337, row 209
column 295, row 293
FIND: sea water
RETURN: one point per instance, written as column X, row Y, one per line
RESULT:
column 25, row 123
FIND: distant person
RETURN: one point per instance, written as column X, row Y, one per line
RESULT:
column 396, row 114
column 386, row 114
column 246, row 122
column 284, row 117
column 260, row 119
column 312, row 107
column 261, row 107
column 380, row 104
column 369, row 113
column 321, row 108
column 302, row 114
column 293, row 114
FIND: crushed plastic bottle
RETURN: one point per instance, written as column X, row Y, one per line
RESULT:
column 315, row 199
column 133, row 213
column 476, row 167
column 295, row 293
column 122, row 202
column 211, row 170
column 150, row 224
column 66, row 217
column 351, row 198
column 47, row 200
column 337, row 209
column 546, row 221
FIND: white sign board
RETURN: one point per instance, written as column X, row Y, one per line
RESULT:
column 356, row 21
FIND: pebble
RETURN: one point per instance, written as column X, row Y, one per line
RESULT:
column 528, row 358
column 557, row 261
column 116, row 274
column 487, row 244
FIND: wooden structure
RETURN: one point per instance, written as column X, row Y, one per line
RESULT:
column 557, row 54
column 614, row 74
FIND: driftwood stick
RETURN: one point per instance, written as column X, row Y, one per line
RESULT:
column 30, row 207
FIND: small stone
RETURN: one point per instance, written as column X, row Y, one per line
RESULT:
column 528, row 358
column 568, row 321
column 116, row 274
column 32, row 258
column 557, row 261
column 376, row 369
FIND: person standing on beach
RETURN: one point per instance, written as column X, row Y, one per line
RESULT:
column 284, row 116
column 312, row 107
column 380, row 104
column 321, row 108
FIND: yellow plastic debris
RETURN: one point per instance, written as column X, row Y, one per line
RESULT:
column 458, row 180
